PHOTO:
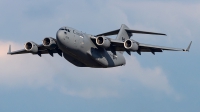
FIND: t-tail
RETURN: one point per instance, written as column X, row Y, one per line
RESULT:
column 126, row 33
column 123, row 34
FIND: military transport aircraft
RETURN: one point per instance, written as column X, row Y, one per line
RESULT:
column 99, row 51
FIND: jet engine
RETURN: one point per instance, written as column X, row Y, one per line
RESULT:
column 103, row 42
column 131, row 45
column 49, row 42
column 31, row 46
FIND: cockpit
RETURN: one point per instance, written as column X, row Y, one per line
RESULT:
column 64, row 28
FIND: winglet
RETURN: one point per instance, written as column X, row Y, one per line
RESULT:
column 188, row 48
column 9, row 50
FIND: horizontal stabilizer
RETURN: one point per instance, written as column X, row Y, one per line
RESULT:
column 125, row 28
column 115, row 32
column 143, row 32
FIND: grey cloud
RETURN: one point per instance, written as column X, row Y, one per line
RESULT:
column 57, row 74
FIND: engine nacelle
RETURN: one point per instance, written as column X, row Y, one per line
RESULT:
column 31, row 46
column 131, row 45
column 49, row 42
column 103, row 42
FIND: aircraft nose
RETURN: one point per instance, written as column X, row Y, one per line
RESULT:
column 59, row 35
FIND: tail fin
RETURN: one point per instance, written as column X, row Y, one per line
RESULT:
column 123, row 34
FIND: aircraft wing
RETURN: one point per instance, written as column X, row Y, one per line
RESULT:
column 118, row 45
column 41, row 50
column 147, row 48
column 150, row 48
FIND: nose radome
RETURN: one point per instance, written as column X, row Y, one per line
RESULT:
column 59, row 35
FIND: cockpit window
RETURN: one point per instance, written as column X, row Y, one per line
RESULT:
column 64, row 28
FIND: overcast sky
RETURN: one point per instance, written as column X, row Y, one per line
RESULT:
column 168, row 81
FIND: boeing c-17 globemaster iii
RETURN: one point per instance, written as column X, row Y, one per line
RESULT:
column 99, row 51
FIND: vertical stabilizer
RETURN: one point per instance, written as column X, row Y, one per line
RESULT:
column 123, row 34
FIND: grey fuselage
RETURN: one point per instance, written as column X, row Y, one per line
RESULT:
column 80, row 50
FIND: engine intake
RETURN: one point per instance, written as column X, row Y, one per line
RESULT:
column 131, row 45
column 49, row 42
column 31, row 46
column 103, row 42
